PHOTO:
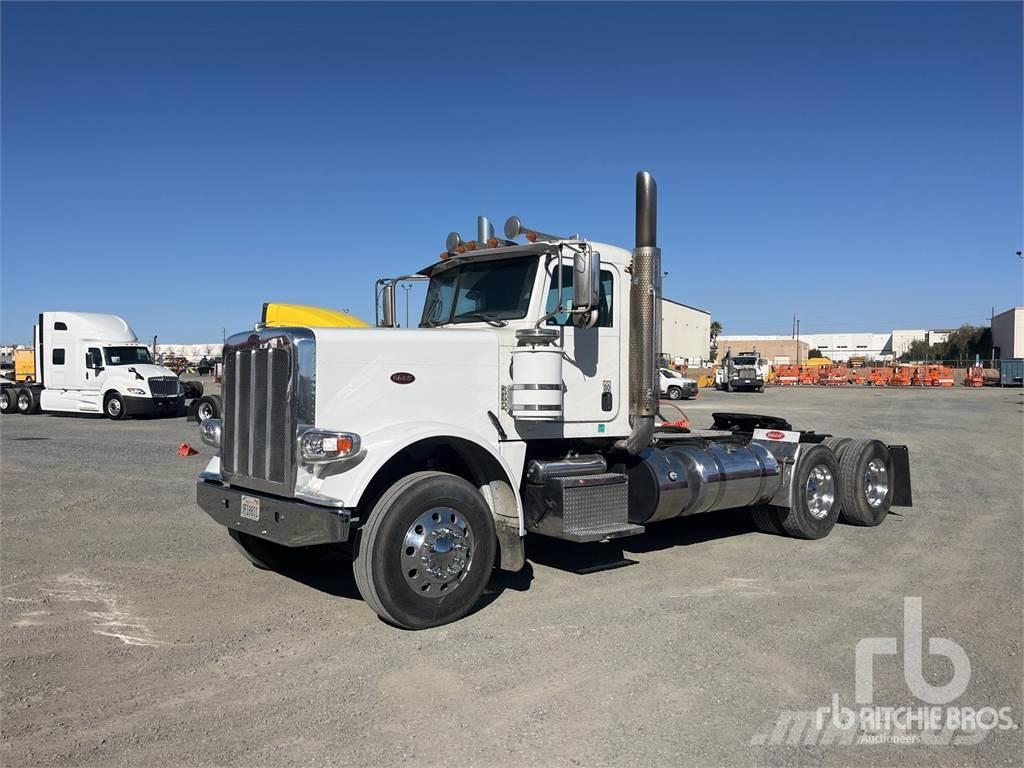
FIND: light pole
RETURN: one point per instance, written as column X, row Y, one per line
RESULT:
column 407, row 288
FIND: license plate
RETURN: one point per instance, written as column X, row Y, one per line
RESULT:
column 251, row 508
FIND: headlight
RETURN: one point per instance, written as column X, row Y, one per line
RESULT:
column 135, row 391
column 210, row 431
column 321, row 446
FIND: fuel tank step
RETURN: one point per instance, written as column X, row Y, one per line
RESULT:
column 582, row 508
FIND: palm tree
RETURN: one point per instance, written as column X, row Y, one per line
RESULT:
column 716, row 331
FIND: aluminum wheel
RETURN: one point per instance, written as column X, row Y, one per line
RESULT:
column 821, row 491
column 205, row 411
column 114, row 406
column 5, row 401
column 876, row 483
column 24, row 402
column 437, row 552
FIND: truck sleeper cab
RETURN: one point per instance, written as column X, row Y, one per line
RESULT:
column 93, row 363
column 526, row 402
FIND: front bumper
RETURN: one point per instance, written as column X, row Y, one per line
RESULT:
column 288, row 522
column 154, row 406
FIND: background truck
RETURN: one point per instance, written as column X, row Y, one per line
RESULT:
column 745, row 371
column 92, row 363
column 525, row 403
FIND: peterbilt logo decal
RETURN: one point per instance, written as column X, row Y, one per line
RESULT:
column 775, row 435
column 403, row 378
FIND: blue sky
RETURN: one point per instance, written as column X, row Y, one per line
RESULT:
column 179, row 164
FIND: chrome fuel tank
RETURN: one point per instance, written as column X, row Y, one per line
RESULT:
column 699, row 476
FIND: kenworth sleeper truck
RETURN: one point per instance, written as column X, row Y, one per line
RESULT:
column 526, row 402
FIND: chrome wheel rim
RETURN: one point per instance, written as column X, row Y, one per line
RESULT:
column 821, row 491
column 205, row 411
column 5, row 401
column 113, row 406
column 876, row 483
column 437, row 552
column 23, row 402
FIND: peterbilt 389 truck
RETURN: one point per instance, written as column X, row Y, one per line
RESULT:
column 525, row 403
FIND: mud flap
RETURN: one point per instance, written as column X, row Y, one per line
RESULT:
column 901, row 490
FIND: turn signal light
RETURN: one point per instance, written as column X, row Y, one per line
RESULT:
column 321, row 446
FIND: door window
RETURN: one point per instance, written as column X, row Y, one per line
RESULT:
column 93, row 358
column 604, row 308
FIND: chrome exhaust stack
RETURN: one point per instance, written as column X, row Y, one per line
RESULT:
column 644, row 317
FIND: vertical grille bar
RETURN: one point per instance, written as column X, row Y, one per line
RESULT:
column 271, row 405
column 251, row 402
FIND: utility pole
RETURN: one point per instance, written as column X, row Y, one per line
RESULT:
column 797, row 321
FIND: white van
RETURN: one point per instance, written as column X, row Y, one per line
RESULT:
column 93, row 363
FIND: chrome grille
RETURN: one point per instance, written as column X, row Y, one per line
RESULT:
column 163, row 386
column 258, row 431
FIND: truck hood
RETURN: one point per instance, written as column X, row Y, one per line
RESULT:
column 375, row 378
column 145, row 370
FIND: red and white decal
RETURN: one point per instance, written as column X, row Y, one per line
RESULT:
column 777, row 435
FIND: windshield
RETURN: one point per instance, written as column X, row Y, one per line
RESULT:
column 127, row 355
column 671, row 374
column 494, row 289
column 744, row 361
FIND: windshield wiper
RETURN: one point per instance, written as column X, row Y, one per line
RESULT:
column 497, row 322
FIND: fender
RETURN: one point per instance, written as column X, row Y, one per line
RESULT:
column 349, row 480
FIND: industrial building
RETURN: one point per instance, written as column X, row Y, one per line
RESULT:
column 777, row 350
column 1008, row 333
column 835, row 346
column 685, row 333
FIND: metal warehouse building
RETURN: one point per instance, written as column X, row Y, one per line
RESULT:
column 685, row 332
column 1008, row 333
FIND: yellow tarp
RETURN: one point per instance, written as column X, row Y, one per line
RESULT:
column 818, row 361
column 276, row 315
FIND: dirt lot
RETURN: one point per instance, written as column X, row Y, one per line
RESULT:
column 135, row 634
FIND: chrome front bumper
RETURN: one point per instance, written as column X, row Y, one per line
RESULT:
column 288, row 522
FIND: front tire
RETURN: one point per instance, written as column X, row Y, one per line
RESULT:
column 426, row 551
column 113, row 406
column 675, row 393
column 266, row 555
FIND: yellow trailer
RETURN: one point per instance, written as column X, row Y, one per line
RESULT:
column 24, row 365
column 277, row 315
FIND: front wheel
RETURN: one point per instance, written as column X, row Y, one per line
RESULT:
column 426, row 551
column 209, row 407
column 266, row 555
column 113, row 406
column 675, row 393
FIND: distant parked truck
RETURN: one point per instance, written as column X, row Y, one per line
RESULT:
column 743, row 371
column 86, row 362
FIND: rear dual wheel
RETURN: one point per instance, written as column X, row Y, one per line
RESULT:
column 26, row 401
column 815, row 508
column 7, row 404
column 865, row 482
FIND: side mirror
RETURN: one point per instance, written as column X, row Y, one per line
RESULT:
column 586, row 281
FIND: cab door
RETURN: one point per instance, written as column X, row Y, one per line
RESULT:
column 591, row 366
column 94, row 370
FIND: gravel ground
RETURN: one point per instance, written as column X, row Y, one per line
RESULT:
column 135, row 634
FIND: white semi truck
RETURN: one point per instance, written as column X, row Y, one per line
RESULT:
column 87, row 362
column 526, row 403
